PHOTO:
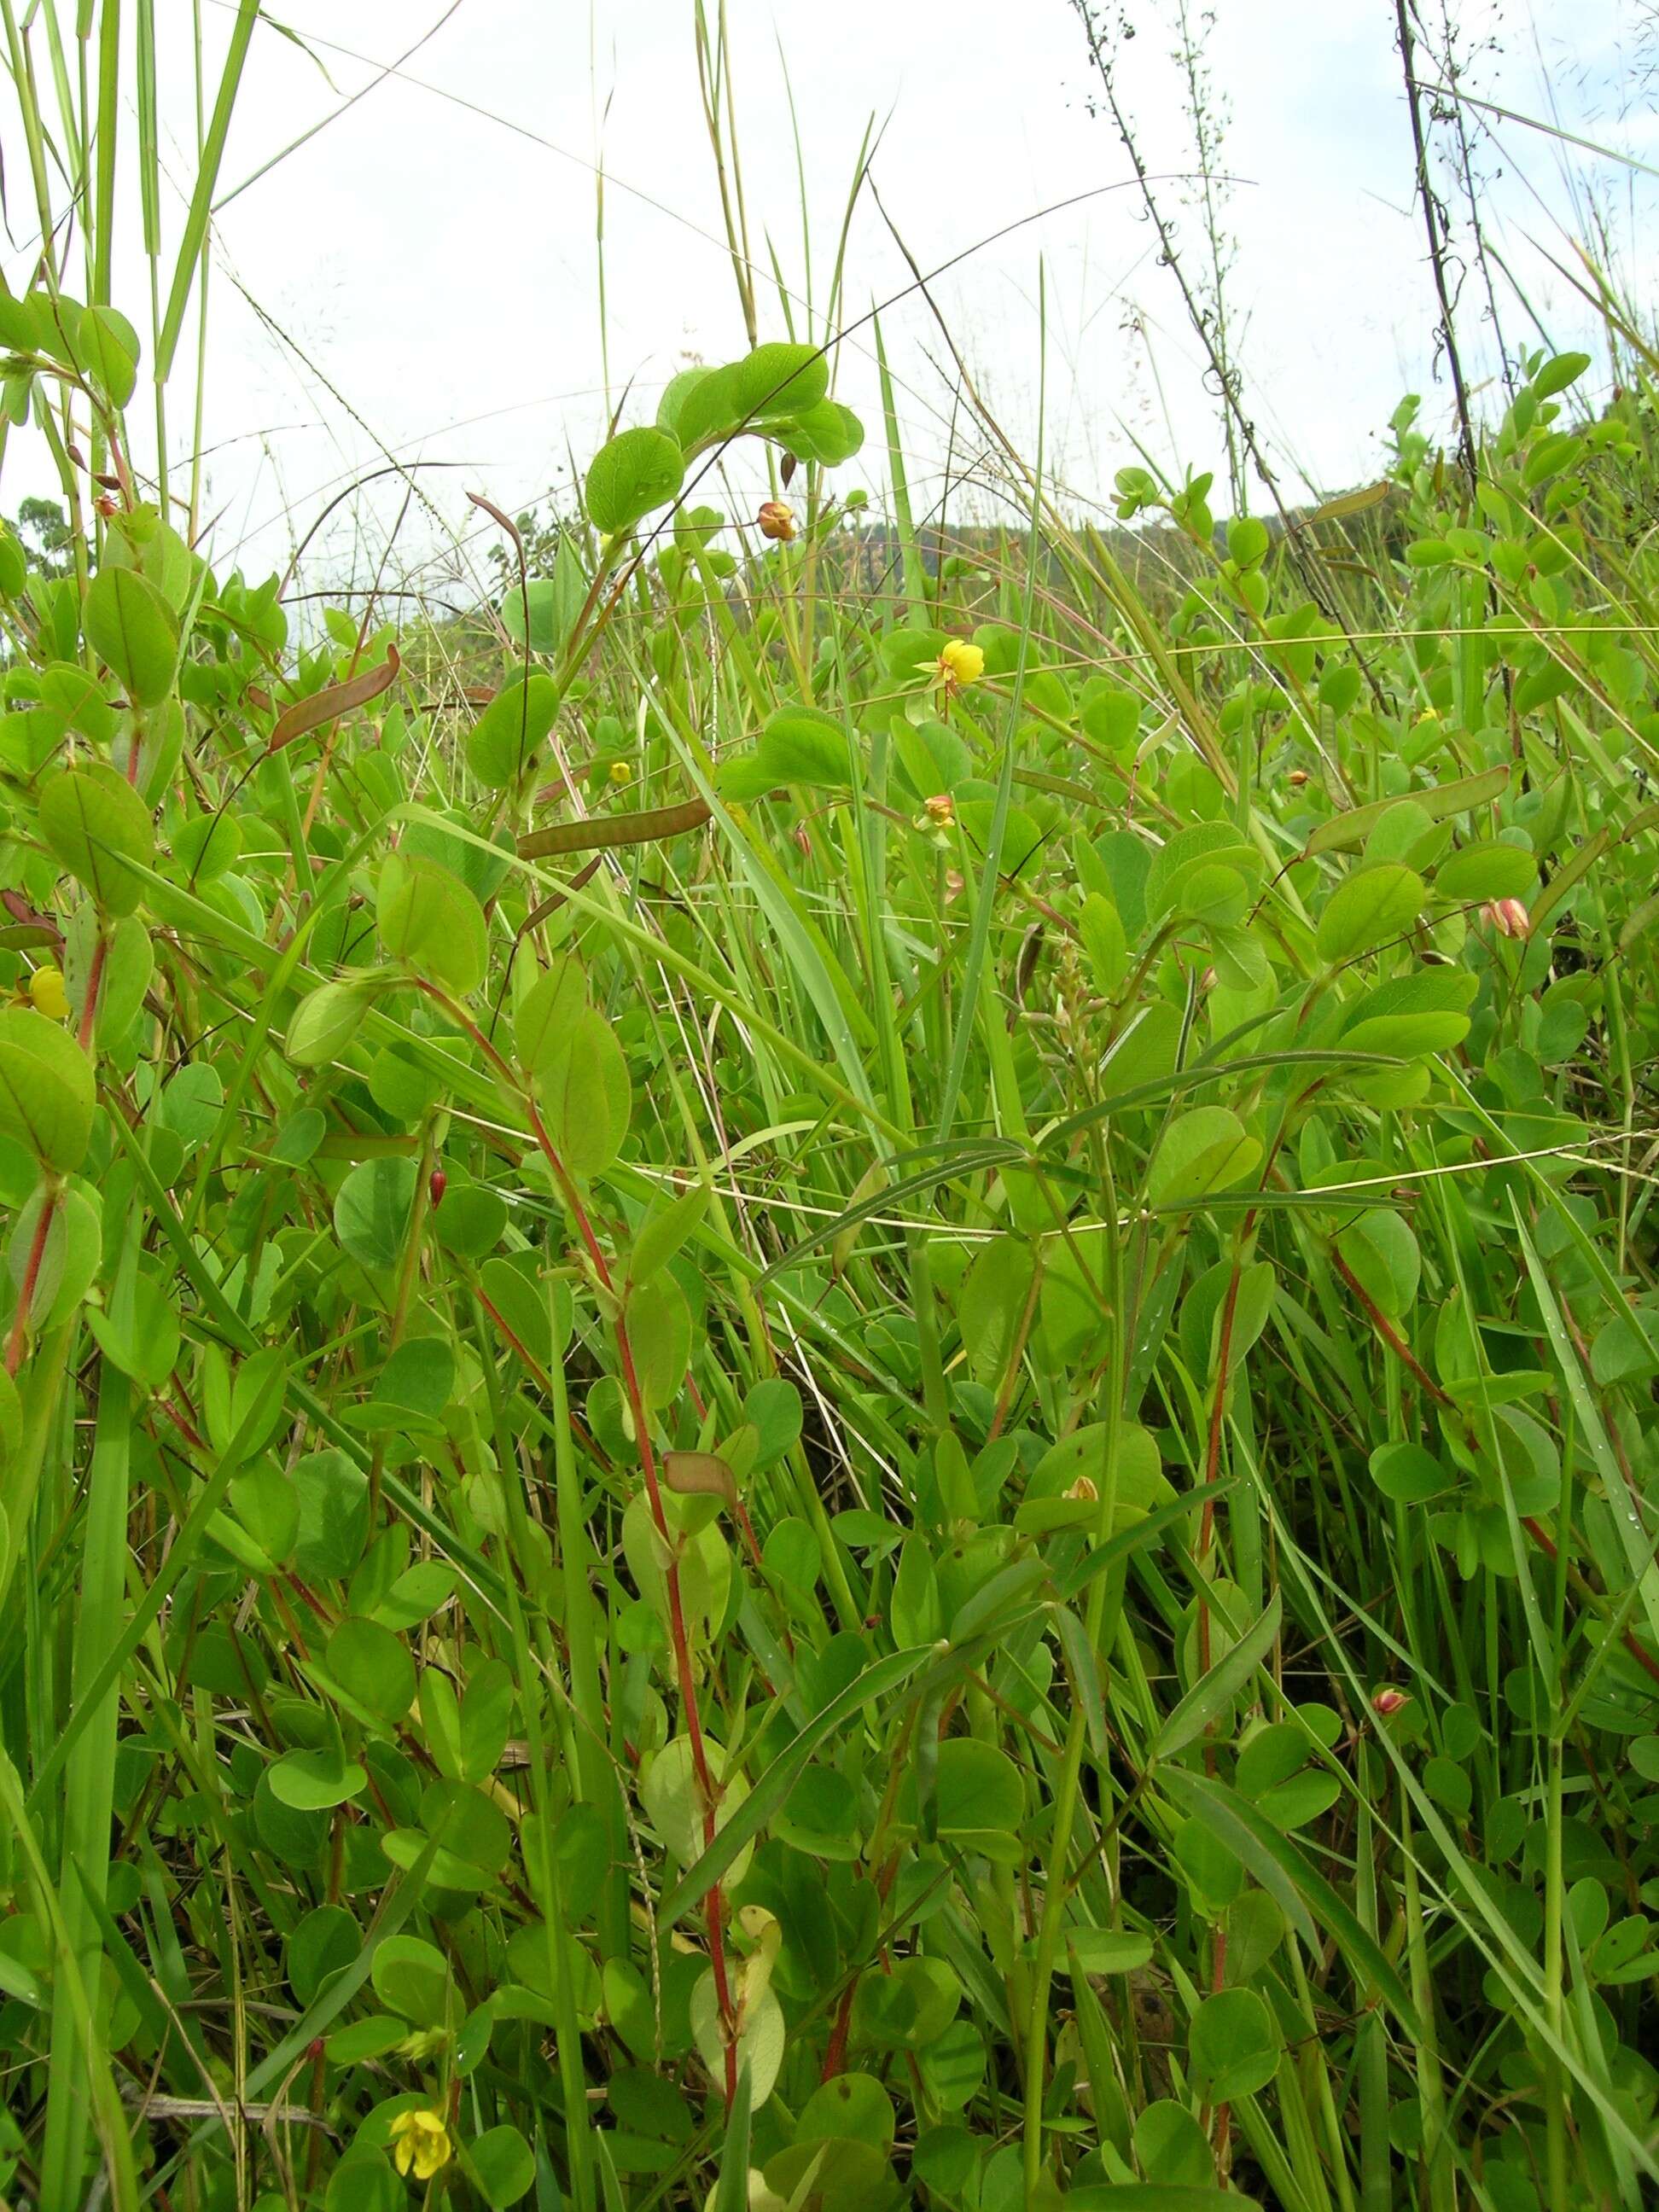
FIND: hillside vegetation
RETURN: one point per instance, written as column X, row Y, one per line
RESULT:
column 831, row 1384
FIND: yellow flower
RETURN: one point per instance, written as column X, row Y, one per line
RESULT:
column 777, row 522
column 46, row 990
column 958, row 663
column 619, row 773
column 422, row 2143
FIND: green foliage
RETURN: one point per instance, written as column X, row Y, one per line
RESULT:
column 848, row 1481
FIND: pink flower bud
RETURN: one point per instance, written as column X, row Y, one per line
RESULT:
column 1508, row 916
column 941, row 809
column 1386, row 1703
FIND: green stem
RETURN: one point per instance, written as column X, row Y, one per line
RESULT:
column 1066, row 1791
column 88, row 1786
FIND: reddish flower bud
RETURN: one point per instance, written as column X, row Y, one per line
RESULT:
column 777, row 522
column 1508, row 916
column 437, row 1184
column 1385, row 1703
column 941, row 809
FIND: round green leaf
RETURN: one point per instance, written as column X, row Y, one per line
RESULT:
column 980, row 1799
column 470, row 1221
column 93, row 821
column 110, row 348
column 411, row 1977
column 543, row 1019
column 779, row 378
column 1492, row 871
column 512, row 730
column 503, row 2165
column 133, row 630
column 1381, row 1250
column 1367, row 909
column 635, row 472
column 47, row 1089
column 373, row 1666
column 853, row 2105
column 1206, row 1150
column 587, row 1098
column 333, row 1527
column 1170, row 2148
column 14, row 567
column 192, row 1104
column 371, row 1210
column 1234, row 2045
column 312, row 1781
column 828, row 434
column 672, row 1801
column 326, row 1942
column 1412, row 1015
column 659, row 1332
column 428, row 919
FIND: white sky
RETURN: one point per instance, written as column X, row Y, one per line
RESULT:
column 433, row 250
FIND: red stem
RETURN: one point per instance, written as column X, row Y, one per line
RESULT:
column 706, row 1789
column 94, row 984
column 20, row 1322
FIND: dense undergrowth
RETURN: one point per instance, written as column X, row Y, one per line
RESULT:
column 856, row 1409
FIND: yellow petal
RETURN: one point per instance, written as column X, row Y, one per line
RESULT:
column 46, row 990
column 433, row 2150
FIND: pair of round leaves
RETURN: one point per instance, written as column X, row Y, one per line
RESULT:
column 513, row 727
column 428, row 919
column 780, row 389
column 775, row 383
column 576, row 1067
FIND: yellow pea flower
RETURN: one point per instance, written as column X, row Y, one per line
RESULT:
column 619, row 773
column 958, row 663
column 421, row 2143
column 47, row 993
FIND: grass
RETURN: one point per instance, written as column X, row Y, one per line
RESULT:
column 856, row 1407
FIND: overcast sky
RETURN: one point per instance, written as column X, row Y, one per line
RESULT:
column 431, row 251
